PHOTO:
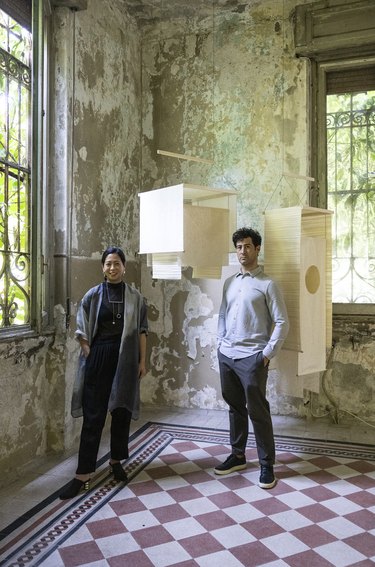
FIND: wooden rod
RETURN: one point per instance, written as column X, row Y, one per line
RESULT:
column 183, row 156
column 299, row 176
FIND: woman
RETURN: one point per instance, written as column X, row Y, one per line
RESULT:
column 111, row 329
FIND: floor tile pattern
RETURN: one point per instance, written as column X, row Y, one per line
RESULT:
column 175, row 511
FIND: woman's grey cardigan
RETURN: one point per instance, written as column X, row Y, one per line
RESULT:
column 125, row 387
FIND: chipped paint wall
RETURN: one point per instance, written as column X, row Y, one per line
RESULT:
column 222, row 85
column 225, row 85
column 106, row 156
column 218, row 83
column 94, row 120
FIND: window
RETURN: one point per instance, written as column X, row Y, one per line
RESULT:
column 338, row 38
column 350, row 116
column 15, row 135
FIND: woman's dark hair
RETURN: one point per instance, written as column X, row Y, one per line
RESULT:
column 245, row 232
column 113, row 250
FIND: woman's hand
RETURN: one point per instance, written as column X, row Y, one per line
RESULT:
column 142, row 371
column 85, row 347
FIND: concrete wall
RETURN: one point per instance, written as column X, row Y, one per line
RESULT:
column 221, row 84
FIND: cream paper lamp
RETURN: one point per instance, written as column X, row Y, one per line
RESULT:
column 187, row 225
column 297, row 252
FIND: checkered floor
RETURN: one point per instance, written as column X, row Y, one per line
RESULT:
column 175, row 511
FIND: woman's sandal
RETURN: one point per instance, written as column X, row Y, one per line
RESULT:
column 118, row 472
column 73, row 488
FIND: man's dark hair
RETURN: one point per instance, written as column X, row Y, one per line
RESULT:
column 245, row 232
column 113, row 250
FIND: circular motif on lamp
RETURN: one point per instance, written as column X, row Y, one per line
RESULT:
column 312, row 279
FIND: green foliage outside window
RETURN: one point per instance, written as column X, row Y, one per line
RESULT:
column 351, row 194
column 15, row 128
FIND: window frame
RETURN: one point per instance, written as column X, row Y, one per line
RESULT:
column 37, row 193
column 319, row 37
column 320, row 69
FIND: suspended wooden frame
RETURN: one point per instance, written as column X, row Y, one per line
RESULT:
column 187, row 225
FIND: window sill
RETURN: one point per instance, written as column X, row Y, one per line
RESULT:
column 353, row 309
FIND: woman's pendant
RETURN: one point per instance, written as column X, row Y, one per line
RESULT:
column 118, row 315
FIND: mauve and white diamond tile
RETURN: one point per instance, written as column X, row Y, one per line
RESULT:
column 232, row 536
column 211, row 487
column 149, row 537
column 138, row 520
column 74, row 555
column 364, row 543
column 363, row 518
column 184, row 493
column 341, row 506
column 166, row 554
column 284, row 544
column 277, row 563
column 339, row 553
column 201, row 544
column 243, row 513
column 309, row 559
column 186, row 527
column 214, row 520
column 319, row 493
column 295, row 500
column 253, row 554
column 270, row 506
column 343, row 471
column 291, row 520
column 156, row 500
column 195, row 507
column 222, row 558
column 342, row 487
column 253, row 494
column 262, row 527
column 172, row 482
column 317, row 512
column 170, row 513
column 340, row 527
column 121, row 543
column 135, row 558
column 99, row 528
column 302, row 467
column 300, row 482
column 184, row 468
column 363, row 499
column 313, row 535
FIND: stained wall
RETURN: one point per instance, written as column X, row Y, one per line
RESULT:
column 222, row 84
column 225, row 85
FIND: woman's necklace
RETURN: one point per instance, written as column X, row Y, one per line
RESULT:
column 115, row 302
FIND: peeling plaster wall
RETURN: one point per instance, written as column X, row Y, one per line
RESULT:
column 94, row 181
column 27, row 386
column 106, row 130
column 106, row 156
column 221, row 84
column 225, row 85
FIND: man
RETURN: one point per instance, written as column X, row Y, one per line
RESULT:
column 253, row 324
